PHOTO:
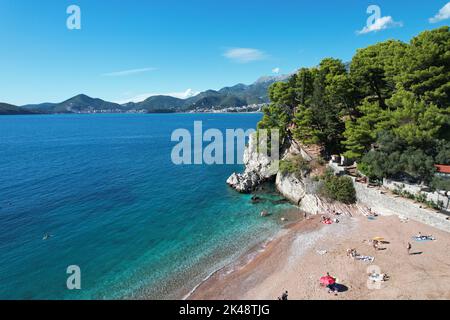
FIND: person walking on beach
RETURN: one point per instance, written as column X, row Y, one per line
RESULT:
column 409, row 247
column 284, row 296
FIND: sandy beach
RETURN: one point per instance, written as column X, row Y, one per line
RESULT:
column 296, row 260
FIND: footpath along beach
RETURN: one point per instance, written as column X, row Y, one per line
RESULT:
column 307, row 250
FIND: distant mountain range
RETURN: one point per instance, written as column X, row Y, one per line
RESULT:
column 236, row 96
column 9, row 109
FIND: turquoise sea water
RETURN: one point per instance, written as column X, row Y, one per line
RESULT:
column 105, row 188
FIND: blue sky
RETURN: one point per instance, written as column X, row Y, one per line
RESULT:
column 135, row 48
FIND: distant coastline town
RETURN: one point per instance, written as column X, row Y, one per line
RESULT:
column 239, row 98
column 253, row 108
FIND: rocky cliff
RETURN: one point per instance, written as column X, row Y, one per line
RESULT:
column 301, row 191
column 304, row 193
column 258, row 169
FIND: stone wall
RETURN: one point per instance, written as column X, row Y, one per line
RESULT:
column 303, row 192
column 417, row 189
column 387, row 204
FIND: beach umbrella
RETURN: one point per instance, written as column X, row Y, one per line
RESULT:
column 327, row 280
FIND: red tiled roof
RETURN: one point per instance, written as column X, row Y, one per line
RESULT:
column 443, row 168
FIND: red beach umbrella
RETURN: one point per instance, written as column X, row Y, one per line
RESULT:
column 327, row 280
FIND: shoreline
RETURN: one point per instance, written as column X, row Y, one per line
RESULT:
column 252, row 257
column 291, row 262
column 251, row 253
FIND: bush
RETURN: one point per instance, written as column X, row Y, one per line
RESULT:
column 338, row 189
column 295, row 165
column 439, row 183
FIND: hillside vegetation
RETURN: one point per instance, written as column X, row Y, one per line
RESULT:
column 388, row 109
column 9, row 109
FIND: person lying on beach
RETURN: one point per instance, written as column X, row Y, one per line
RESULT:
column 349, row 253
column 376, row 277
column 375, row 244
column 332, row 288
column 370, row 213
column 365, row 258
column 352, row 253
column 335, row 213
column 421, row 237
column 424, row 238
column 326, row 220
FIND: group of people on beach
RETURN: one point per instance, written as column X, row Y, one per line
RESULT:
column 331, row 285
column 327, row 220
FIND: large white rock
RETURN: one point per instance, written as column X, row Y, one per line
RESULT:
column 258, row 169
column 245, row 182
column 298, row 192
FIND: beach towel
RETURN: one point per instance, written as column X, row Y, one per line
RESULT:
column 365, row 258
column 322, row 252
column 424, row 238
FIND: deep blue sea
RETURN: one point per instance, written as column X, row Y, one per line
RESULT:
column 104, row 187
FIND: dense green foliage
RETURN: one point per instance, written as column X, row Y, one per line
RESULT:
column 439, row 183
column 296, row 165
column 338, row 188
column 388, row 109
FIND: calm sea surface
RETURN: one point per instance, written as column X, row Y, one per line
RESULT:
column 104, row 187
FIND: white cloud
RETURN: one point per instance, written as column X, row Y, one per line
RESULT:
column 276, row 70
column 443, row 14
column 184, row 95
column 245, row 55
column 381, row 24
column 143, row 96
column 127, row 72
